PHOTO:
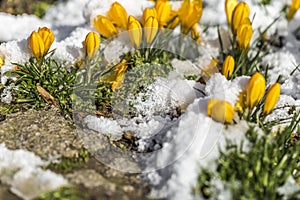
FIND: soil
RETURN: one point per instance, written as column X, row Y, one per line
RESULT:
column 17, row 7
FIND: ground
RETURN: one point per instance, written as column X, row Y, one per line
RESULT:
column 25, row 6
column 57, row 136
column 157, row 124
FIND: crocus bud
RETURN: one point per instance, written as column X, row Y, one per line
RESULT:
column 118, row 15
column 240, row 103
column 91, row 44
column 295, row 5
column 37, row 46
column 244, row 34
column 255, row 89
column 229, row 7
column 148, row 12
column 189, row 14
column 1, row 61
column 47, row 36
column 271, row 99
column 163, row 10
column 209, row 70
column 195, row 33
column 16, row 68
column 240, row 12
column 228, row 66
column 135, row 31
column 150, row 29
column 104, row 26
column 221, row 111
column 174, row 21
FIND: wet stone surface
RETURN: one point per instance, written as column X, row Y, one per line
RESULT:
column 45, row 132
column 50, row 136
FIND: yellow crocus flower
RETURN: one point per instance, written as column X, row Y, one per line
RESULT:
column 120, row 71
column 2, row 62
column 118, row 15
column 91, row 44
column 47, row 36
column 163, row 11
column 150, row 29
column 40, row 42
column 255, row 89
column 293, row 8
column 117, row 75
column 244, row 34
column 189, row 14
column 219, row 110
column 240, row 12
column 37, row 46
column 104, row 26
column 228, row 66
column 198, row 4
column 148, row 12
column 135, row 31
column 229, row 7
column 271, row 99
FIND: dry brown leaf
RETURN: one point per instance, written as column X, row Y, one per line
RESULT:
column 47, row 96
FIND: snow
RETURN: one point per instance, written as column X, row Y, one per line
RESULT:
column 117, row 47
column 282, row 58
column 103, row 125
column 178, row 144
column 25, row 25
column 196, row 143
column 65, row 14
column 22, row 170
column 42, row 181
column 16, row 51
column 209, row 16
column 218, row 87
column 6, row 96
column 153, row 115
column 69, row 50
column 281, row 111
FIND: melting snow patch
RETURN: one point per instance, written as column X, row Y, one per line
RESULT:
column 22, row 171
column 30, row 182
column 103, row 125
